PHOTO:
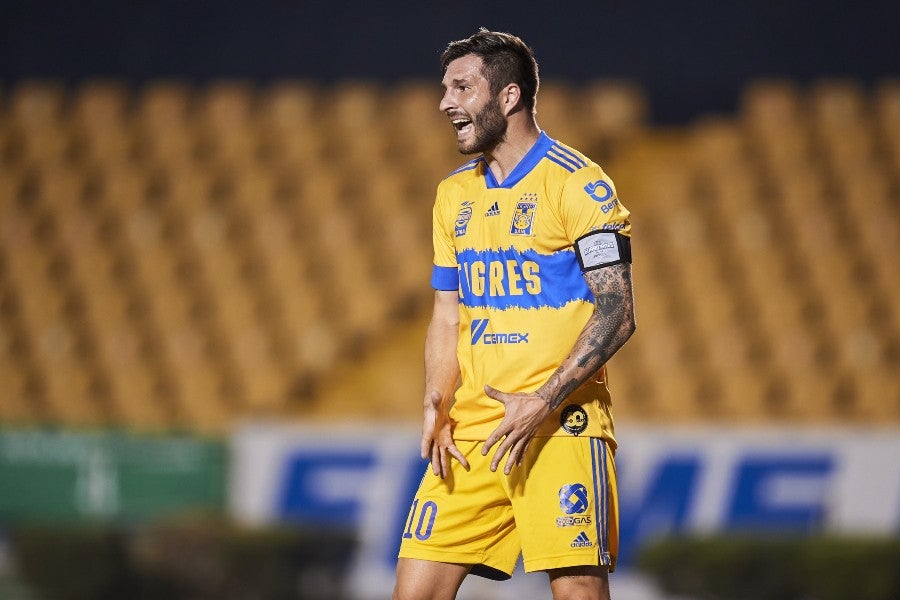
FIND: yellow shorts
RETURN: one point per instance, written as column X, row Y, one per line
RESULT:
column 559, row 509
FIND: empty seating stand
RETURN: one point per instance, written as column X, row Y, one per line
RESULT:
column 187, row 256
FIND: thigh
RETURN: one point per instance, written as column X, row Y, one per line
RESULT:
column 465, row 518
column 564, row 504
column 427, row 580
column 588, row 583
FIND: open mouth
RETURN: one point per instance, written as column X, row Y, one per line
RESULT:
column 462, row 124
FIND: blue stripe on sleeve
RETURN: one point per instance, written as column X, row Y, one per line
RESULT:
column 561, row 163
column 570, row 155
column 445, row 278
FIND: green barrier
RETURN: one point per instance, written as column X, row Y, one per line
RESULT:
column 777, row 568
column 194, row 558
column 74, row 476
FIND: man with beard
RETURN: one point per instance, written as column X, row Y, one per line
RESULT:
column 533, row 295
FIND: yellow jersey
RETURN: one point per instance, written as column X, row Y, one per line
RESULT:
column 507, row 248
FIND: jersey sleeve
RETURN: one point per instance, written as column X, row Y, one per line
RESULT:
column 444, row 275
column 589, row 203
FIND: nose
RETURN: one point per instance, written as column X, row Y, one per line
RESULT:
column 446, row 102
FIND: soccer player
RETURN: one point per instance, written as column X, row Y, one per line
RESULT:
column 533, row 295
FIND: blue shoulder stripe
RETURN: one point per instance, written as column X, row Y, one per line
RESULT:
column 563, row 151
column 472, row 164
column 560, row 162
column 562, row 159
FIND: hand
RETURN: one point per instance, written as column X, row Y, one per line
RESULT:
column 524, row 415
column 437, row 437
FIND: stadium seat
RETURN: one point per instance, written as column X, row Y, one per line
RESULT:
column 557, row 101
column 180, row 255
column 163, row 132
column 101, row 127
column 16, row 407
column 614, row 113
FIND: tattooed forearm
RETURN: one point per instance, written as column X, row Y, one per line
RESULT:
column 609, row 327
column 607, row 303
column 560, row 391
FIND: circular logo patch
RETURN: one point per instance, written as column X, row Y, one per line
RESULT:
column 573, row 498
column 573, row 419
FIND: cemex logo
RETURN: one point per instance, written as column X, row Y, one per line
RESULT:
column 480, row 335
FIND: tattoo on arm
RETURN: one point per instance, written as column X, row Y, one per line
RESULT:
column 609, row 327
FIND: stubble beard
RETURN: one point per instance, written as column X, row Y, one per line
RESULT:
column 490, row 129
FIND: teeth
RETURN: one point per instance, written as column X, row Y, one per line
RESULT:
column 460, row 123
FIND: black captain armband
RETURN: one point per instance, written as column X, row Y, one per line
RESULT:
column 601, row 249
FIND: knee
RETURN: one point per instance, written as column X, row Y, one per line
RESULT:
column 584, row 583
column 405, row 591
column 581, row 592
column 413, row 591
column 428, row 580
column 406, row 588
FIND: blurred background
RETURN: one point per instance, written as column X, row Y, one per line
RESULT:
column 214, row 261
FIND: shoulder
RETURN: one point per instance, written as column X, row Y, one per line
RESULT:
column 574, row 171
column 460, row 177
column 568, row 159
column 465, row 172
column 571, row 167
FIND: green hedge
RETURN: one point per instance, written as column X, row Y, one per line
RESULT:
column 738, row 568
column 190, row 560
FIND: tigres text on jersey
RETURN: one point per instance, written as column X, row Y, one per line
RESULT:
column 507, row 248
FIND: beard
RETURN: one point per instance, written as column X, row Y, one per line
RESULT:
column 490, row 129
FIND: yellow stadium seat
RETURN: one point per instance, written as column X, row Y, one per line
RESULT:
column 614, row 113
column 163, row 124
column 131, row 379
column 226, row 124
column 15, row 408
column 100, row 116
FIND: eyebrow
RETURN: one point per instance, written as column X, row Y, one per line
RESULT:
column 456, row 82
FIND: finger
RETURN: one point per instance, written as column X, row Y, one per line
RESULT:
column 515, row 457
column 524, row 452
column 458, row 456
column 427, row 439
column 493, row 439
column 425, row 445
column 436, row 461
column 494, row 393
column 445, row 462
column 501, row 451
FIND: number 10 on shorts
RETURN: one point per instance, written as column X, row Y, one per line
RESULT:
column 426, row 520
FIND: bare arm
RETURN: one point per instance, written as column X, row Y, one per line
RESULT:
column 441, row 375
column 608, row 328
column 441, row 365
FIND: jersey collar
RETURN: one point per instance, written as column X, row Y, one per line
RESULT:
column 528, row 162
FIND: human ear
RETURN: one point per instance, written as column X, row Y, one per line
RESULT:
column 510, row 97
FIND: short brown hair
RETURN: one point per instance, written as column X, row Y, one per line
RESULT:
column 506, row 59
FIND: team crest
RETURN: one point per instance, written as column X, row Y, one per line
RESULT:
column 462, row 218
column 523, row 218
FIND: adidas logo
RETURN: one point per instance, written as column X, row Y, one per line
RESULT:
column 493, row 211
column 582, row 541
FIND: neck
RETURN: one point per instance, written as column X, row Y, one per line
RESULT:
column 504, row 157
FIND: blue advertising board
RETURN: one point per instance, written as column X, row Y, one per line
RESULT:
column 703, row 480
